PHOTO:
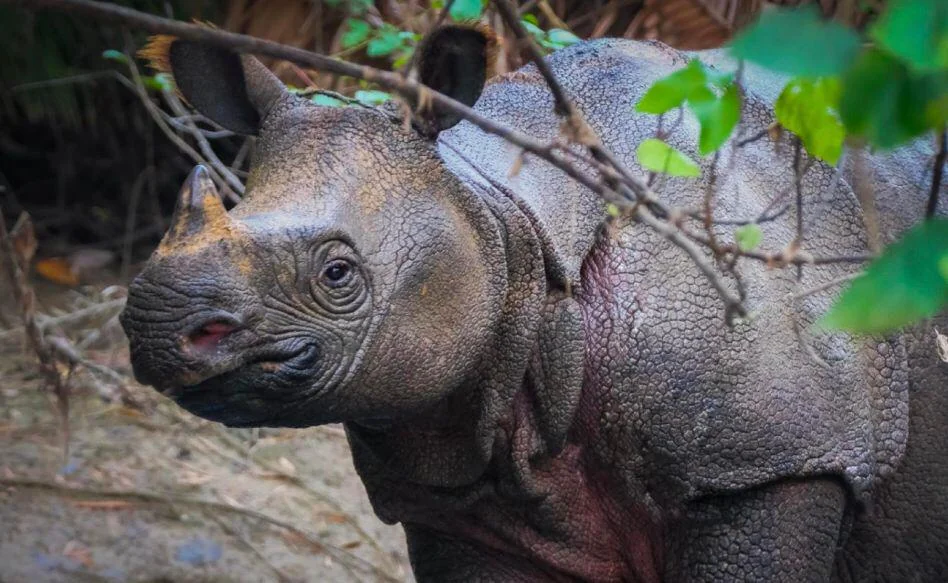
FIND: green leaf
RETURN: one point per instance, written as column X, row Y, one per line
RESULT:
column 359, row 6
column 808, row 108
column 159, row 82
column 657, row 156
column 943, row 267
column 532, row 28
column 372, row 96
column 357, row 32
column 385, row 43
column 916, row 31
column 798, row 41
column 327, row 100
column 883, row 101
column 403, row 58
column 718, row 116
column 671, row 91
column 899, row 288
column 114, row 55
column 466, row 10
column 748, row 237
column 562, row 38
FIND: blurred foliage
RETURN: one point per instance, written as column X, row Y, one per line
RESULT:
column 76, row 145
column 52, row 49
column 900, row 288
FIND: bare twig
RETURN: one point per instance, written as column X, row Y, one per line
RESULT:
column 95, row 311
column 17, row 263
column 798, row 189
column 188, row 125
column 732, row 304
column 937, row 174
column 862, row 187
column 511, row 17
column 154, row 497
column 175, row 105
column 551, row 15
column 615, row 183
column 755, row 137
column 234, row 532
column 132, row 214
column 827, row 285
column 70, row 354
column 157, row 116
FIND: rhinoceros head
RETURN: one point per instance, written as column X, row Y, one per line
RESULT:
column 356, row 279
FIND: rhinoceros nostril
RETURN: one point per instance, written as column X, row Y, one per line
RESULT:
column 208, row 336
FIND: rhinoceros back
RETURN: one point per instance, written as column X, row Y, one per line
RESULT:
column 695, row 407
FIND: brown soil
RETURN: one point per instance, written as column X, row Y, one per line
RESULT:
column 151, row 493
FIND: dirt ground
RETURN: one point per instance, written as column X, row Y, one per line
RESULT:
column 149, row 492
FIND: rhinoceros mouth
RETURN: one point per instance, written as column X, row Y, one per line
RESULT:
column 260, row 388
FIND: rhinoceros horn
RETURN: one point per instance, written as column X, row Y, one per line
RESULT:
column 199, row 207
column 199, row 213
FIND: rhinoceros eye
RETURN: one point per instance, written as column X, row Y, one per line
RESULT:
column 337, row 273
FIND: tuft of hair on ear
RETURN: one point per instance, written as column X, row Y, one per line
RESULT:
column 491, row 45
column 157, row 52
column 157, row 49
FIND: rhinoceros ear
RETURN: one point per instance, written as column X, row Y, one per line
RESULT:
column 455, row 60
column 235, row 91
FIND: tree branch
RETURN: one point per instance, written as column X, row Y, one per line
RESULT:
column 17, row 252
column 615, row 183
column 937, row 174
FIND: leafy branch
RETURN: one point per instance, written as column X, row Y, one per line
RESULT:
column 713, row 98
column 883, row 90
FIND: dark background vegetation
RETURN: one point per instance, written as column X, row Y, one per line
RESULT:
column 81, row 153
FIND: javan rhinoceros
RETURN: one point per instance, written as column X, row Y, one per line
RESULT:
column 536, row 392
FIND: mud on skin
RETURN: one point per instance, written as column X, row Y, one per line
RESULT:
column 533, row 397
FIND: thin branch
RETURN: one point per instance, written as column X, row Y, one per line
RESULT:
column 110, row 307
column 157, row 115
column 234, row 532
column 756, row 137
column 825, row 286
column 732, row 303
column 175, row 105
column 615, row 183
column 186, row 124
column 551, row 15
column 155, row 497
column 70, row 354
column 131, row 215
column 937, row 175
column 509, row 13
column 17, row 263
column 798, row 188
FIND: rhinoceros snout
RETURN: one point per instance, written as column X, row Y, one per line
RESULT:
column 171, row 351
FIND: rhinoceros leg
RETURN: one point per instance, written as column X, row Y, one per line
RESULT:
column 439, row 559
column 787, row 531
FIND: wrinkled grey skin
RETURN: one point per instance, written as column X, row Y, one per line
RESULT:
column 534, row 396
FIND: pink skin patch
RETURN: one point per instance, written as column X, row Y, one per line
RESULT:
column 210, row 335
